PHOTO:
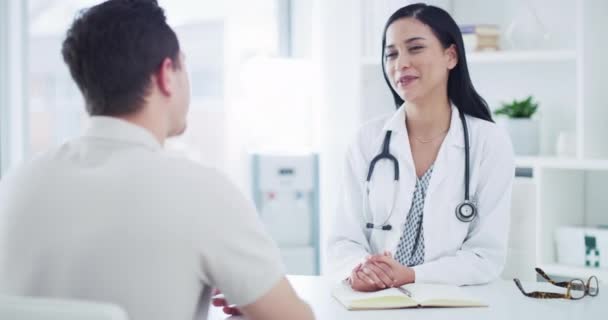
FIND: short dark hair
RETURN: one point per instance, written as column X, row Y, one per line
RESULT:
column 113, row 48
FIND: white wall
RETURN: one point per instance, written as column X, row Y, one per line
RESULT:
column 596, row 205
column 3, row 80
column 12, row 80
column 338, row 105
column 595, row 64
column 301, row 28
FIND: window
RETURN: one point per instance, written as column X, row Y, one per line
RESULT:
column 223, row 42
column 12, row 94
column 55, row 107
column 3, row 81
column 218, row 37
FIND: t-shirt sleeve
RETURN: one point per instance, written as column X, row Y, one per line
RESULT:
column 237, row 254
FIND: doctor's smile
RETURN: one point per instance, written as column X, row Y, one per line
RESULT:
column 404, row 81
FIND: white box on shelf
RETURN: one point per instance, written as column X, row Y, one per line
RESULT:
column 584, row 247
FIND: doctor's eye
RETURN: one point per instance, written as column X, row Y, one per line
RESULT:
column 390, row 55
column 415, row 48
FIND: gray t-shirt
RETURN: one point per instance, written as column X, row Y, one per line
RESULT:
column 110, row 217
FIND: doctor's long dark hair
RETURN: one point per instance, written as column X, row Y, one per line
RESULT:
column 460, row 88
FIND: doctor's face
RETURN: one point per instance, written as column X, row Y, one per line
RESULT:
column 415, row 62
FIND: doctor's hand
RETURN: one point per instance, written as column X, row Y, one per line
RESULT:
column 401, row 274
column 368, row 276
column 358, row 283
column 218, row 300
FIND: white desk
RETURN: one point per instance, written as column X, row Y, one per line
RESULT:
column 504, row 300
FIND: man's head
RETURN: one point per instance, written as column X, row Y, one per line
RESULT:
column 126, row 61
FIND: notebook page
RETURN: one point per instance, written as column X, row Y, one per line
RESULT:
column 383, row 299
column 442, row 295
column 344, row 291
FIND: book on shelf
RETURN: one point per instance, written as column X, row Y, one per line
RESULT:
column 480, row 29
column 480, row 37
column 414, row 295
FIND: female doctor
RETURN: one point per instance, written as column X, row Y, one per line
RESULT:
column 427, row 189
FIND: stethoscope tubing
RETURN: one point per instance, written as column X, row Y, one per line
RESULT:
column 386, row 155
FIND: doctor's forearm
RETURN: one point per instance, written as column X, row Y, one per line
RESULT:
column 405, row 276
column 465, row 268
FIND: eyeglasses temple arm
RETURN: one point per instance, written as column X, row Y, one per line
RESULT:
column 548, row 295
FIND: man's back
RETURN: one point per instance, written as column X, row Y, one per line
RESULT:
column 110, row 217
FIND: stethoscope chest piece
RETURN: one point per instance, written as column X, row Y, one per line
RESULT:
column 466, row 211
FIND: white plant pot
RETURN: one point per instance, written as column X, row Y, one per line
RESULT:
column 524, row 135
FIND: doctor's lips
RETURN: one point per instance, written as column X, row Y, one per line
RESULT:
column 404, row 81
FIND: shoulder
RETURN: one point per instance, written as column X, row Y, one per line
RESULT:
column 190, row 173
column 208, row 193
column 491, row 138
column 202, row 191
column 368, row 134
column 375, row 125
column 39, row 164
column 31, row 176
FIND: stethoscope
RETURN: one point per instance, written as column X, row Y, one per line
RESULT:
column 466, row 211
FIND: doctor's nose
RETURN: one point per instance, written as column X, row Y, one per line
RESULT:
column 403, row 62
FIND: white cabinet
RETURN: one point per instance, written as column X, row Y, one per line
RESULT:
column 556, row 52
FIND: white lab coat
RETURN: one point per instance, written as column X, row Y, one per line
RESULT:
column 455, row 252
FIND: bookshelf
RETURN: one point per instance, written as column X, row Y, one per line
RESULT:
column 536, row 56
column 562, row 163
column 564, row 72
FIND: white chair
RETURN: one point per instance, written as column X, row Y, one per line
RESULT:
column 27, row 308
column 521, row 253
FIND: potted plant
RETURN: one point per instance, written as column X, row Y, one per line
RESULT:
column 522, row 128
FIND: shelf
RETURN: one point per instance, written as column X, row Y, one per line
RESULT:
column 506, row 57
column 562, row 163
column 575, row 272
column 522, row 56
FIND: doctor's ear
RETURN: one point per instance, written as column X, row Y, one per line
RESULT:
column 452, row 56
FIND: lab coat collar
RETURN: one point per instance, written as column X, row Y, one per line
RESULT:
column 455, row 134
column 113, row 128
column 454, row 137
column 453, row 144
column 396, row 123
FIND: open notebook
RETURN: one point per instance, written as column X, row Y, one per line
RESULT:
column 408, row 296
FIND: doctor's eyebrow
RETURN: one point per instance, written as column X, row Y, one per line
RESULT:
column 407, row 41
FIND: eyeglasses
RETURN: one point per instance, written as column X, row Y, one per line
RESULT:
column 575, row 289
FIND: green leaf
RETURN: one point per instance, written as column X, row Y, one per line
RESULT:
column 518, row 108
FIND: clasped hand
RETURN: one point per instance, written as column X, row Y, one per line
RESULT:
column 379, row 272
